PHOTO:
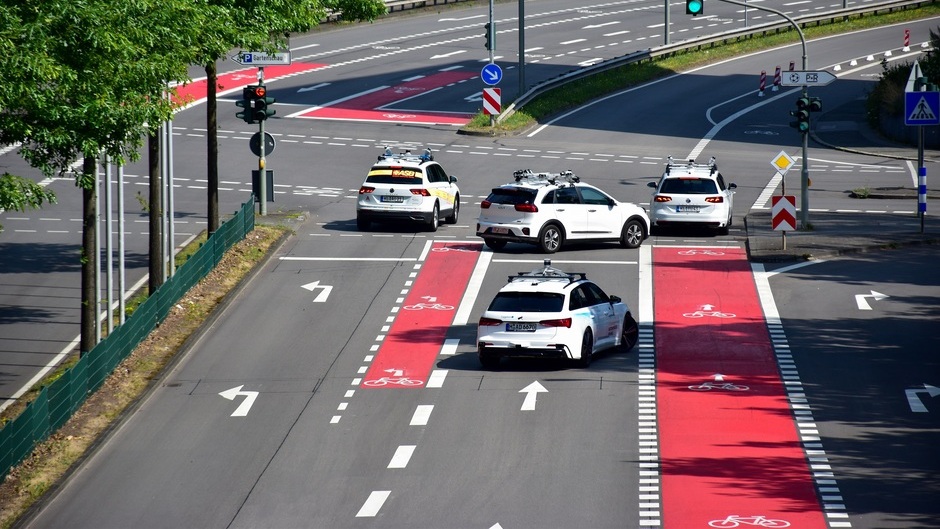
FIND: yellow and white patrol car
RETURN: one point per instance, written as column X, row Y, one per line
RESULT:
column 406, row 186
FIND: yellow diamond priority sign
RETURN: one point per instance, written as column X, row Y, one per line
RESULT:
column 782, row 162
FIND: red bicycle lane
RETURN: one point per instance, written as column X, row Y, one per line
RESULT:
column 730, row 452
column 195, row 91
column 413, row 342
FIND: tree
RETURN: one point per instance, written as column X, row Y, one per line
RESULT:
column 87, row 79
column 19, row 194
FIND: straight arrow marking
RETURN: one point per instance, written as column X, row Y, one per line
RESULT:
column 242, row 409
column 531, row 392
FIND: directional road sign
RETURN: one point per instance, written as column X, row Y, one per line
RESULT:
column 820, row 78
column 922, row 108
column 491, row 74
column 259, row 58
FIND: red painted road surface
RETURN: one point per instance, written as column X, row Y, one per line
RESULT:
column 371, row 106
column 730, row 455
column 196, row 91
column 408, row 352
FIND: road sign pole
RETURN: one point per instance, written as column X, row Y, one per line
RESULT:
column 492, row 47
column 921, row 176
column 262, row 172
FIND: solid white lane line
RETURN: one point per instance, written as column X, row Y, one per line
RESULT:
column 402, row 456
column 421, row 415
column 372, row 505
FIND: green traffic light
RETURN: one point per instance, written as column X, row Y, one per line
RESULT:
column 694, row 7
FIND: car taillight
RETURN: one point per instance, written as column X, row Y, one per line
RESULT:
column 421, row 192
column 715, row 200
column 485, row 204
column 527, row 208
column 662, row 198
column 364, row 189
column 489, row 322
column 564, row 322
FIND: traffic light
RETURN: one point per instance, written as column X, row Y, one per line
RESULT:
column 815, row 104
column 259, row 103
column 247, row 94
column 802, row 114
column 489, row 35
column 694, row 7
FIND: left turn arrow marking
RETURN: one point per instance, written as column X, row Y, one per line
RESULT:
column 242, row 409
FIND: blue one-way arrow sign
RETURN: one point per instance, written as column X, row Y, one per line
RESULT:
column 491, row 74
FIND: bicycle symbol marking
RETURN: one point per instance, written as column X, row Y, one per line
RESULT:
column 450, row 249
column 761, row 521
column 393, row 381
column 431, row 306
column 708, row 386
column 699, row 252
column 714, row 314
column 398, row 116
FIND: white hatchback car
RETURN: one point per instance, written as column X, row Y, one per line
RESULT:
column 408, row 187
column 553, row 314
column 550, row 209
column 692, row 194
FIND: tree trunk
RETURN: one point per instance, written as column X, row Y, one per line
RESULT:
column 212, row 138
column 155, row 278
column 89, row 257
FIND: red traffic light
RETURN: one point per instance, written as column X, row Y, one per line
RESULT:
column 259, row 91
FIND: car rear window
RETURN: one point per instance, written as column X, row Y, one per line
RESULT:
column 511, row 195
column 527, row 302
column 689, row 186
column 395, row 175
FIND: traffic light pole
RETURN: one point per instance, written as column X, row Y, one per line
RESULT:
column 804, row 171
column 262, row 172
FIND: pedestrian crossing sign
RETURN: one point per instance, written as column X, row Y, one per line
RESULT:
column 922, row 108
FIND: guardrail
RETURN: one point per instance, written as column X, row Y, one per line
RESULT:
column 710, row 40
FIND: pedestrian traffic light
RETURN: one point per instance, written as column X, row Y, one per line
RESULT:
column 489, row 35
column 694, row 7
column 802, row 114
column 245, row 103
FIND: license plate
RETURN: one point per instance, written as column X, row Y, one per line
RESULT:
column 501, row 231
column 392, row 198
column 688, row 209
column 520, row 327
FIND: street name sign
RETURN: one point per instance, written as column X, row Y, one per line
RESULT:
column 260, row 58
column 806, row 78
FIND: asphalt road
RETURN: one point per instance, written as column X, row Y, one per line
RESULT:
column 316, row 449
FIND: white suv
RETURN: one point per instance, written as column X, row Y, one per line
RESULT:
column 408, row 187
column 689, row 193
column 550, row 209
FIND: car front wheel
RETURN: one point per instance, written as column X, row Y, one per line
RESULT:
column 551, row 238
column 629, row 334
column 632, row 235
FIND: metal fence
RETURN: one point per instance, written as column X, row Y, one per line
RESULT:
column 58, row 401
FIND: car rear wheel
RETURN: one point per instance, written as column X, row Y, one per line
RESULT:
column 587, row 348
column 551, row 238
column 488, row 360
column 494, row 244
column 452, row 218
column 632, row 234
column 629, row 334
column 363, row 223
column 435, row 219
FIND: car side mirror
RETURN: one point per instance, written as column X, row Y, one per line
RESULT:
column 453, row 179
column 651, row 184
column 615, row 299
column 732, row 186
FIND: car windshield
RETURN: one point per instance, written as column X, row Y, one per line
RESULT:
column 527, row 302
column 511, row 195
column 394, row 175
column 689, row 186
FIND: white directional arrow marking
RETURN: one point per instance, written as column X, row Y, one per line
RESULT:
column 719, row 377
column 242, row 409
column 914, row 401
column 531, row 391
column 708, row 307
column 325, row 293
column 314, row 87
column 863, row 304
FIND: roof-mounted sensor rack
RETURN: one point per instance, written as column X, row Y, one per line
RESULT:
column 711, row 166
column 530, row 176
column 548, row 272
column 406, row 156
